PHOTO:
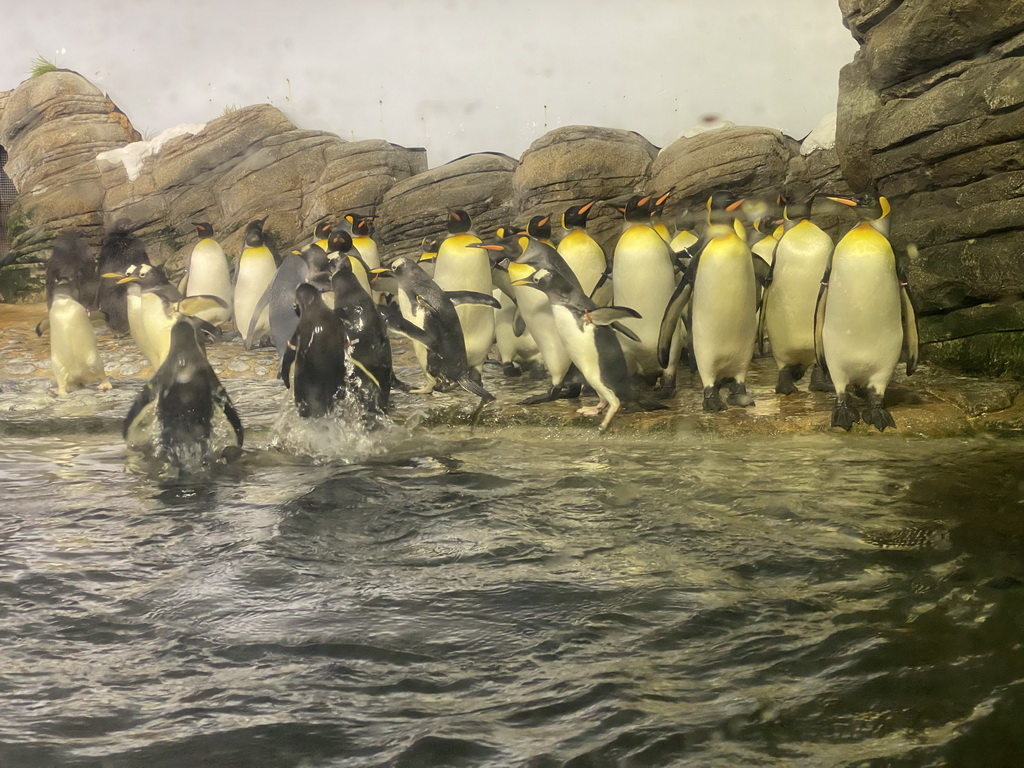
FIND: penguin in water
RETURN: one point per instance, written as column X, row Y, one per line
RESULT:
column 589, row 333
column 459, row 267
column 309, row 265
column 208, row 274
column 864, row 316
column 791, row 293
column 582, row 253
column 719, row 287
column 367, row 336
column 317, row 351
column 535, row 309
column 187, row 405
column 73, row 265
column 120, row 249
column 644, row 279
column 73, row 352
column 428, row 317
column 256, row 268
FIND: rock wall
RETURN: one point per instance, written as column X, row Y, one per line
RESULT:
column 931, row 114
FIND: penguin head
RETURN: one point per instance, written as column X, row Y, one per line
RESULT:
column 360, row 224
column 522, row 274
column 315, row 258
column 540, row 227
column 65, row 287
column 187, row 348
column 322, row 230
column 576, row 216
column 203, row 228
column 306, row 296
column 867, row 206
column 339, row 241
column 458, row 221
column 254, row 233
column 638, row 208
column 722, row 207
column 658, row 204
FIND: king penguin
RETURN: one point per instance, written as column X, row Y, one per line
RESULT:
column 317, row 352
column 209, row 274
column 865, row 316
column 257, row 265
column 720, row 289
column 73, row 352
column 644, row 278
column 459, row 267
column 582, row 253
column 589, row 334
column 363, row 242
column 194, row 419
column 787, row 311
column 517, row 349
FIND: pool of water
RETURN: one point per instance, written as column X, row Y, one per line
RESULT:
column 515, row 597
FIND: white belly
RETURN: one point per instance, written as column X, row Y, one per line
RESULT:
column 210, row 275
column 582, row 349
column 255, row 273
column 459, row 268
column 73, row 352
column 540, row 322
column 511, row 348
column 584, row 257
column 724, row 318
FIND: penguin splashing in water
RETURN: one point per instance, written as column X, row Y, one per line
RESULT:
column 183, row 417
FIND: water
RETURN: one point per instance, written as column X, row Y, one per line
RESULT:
column 518, row 597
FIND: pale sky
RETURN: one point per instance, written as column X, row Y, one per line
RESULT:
column 454, row 76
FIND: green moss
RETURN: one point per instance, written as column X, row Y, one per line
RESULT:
column 987, row 354
column 40, row 66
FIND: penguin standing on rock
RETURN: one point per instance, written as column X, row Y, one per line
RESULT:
column 257, row 265
column 720, row 289
column 73, row 352
column 864, row 316
column 459, row 267
column 209, row 274
column 187, row 405
column 317, row 351
column 120, row 249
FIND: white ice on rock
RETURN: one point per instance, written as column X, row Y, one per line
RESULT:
column 134, row 155
column 822, row 137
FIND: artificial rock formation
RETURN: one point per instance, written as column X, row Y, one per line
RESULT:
column 931, row 114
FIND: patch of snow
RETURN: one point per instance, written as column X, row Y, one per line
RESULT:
column 700, row 128
column 134, row 155
column 822, row 137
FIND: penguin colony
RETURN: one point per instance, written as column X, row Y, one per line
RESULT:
column 724, row 283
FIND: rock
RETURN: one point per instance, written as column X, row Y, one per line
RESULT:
column 577, row 164
column 749, row 161
column 480, row 184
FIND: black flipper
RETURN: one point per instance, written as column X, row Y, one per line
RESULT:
column 910, row 339
column 262, row 304
column 475, row 388
column 144, row 398
column 288, row 359
column 221, row 398
column 472, row 297
column 607, row 315
column 819, row 319
column 403, row 327
column 518, row 324
column 616, row 326
column 670, row 320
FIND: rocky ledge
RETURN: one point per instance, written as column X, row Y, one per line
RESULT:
column 933, row 403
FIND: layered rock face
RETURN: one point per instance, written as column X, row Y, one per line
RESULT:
column 931, row 114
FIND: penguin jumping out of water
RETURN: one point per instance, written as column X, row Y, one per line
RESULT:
column 428, row 318
column 589, row 334
column 186, row 405
column 865, row 316
column 73, row 352
column 317, row 351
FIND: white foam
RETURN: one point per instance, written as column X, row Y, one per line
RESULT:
column 133, row 156
column 700, row 128
column 822, row 137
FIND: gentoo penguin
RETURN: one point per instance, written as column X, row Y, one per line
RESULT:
column 791, row 293
column 864, row 316
column 720, row 289
column 535, row 309
column 429, row 318
column 317, row 352
column 462, row 268
column 120, row 249
column 644, row 278
column 309, row 265
column 209, row 274
column 367, row 336
column 582, row 253
column 73, row 352
column 257, row 265
column 72, row 264
column 187, row 405
column 587, row 332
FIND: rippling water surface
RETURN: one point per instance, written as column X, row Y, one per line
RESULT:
column 516, row 598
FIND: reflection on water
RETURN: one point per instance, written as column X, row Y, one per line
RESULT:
column 522, row 597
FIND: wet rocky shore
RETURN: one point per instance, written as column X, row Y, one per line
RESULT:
column 932, row 403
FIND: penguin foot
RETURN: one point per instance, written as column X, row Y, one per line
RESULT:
column 547, row 397
column 511, row 370
column 738, row 395
column 844, row 415
column 820, row 381
column 788, row 376
column 591, row 410
column 667, row 388
column 875, row 414
column 424, row 390
column 105, row 384
column 712, row 400
column 571, row 392
column 397, row 383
